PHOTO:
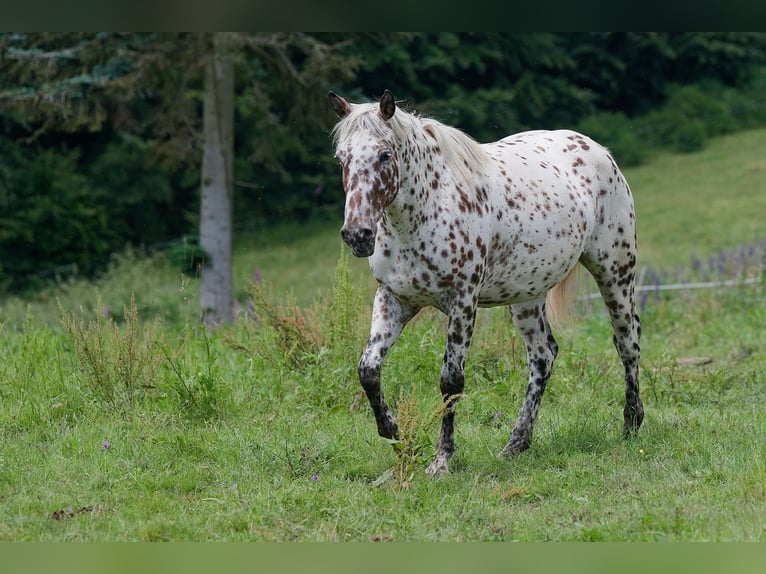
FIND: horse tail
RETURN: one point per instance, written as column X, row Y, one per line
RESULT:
column 558, row 301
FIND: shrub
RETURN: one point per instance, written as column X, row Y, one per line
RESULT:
column 620, row 134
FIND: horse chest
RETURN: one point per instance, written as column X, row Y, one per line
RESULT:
column 430, row 273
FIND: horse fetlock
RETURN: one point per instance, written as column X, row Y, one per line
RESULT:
column 387, row 426
column 634, row 416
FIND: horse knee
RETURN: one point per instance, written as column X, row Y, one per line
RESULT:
column 451, row 391
column 368, row 371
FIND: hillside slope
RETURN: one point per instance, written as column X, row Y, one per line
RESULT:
column 698, row 204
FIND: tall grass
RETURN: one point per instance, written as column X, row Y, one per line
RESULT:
column 116, row 362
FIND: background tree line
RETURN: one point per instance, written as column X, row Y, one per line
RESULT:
column 101, row 134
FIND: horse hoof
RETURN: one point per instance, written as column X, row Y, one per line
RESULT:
column 513, row 448
column 633, row 417
column 437, row 468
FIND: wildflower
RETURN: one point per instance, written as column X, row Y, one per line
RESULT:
column 106, row 444
column 314, row 477
column 696, row 264
column 643, row 296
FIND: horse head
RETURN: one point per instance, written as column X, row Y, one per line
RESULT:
column 365, row 147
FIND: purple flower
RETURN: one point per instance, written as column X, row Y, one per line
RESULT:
column 257, row 275
column 642, row 297
column 314, row 477
column 106, row 444
column 105, row 312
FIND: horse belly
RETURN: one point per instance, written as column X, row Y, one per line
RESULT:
column 525, row 262
column 523, row 278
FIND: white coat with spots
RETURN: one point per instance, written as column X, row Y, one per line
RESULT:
column 457, row 225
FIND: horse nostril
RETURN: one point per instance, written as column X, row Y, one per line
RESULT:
column 357, row 235
column 365, row 234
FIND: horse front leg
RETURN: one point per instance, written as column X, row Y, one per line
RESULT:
column 462, row 318
column 389, row 316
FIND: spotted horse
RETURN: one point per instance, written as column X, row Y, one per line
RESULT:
column 451, row 223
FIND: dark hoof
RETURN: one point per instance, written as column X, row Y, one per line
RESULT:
column 389, row 430
column 634, row 416
column 514, row 447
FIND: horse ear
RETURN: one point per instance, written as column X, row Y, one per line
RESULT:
column 387, row 105
column 341, row 107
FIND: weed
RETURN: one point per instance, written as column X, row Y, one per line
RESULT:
column 346, row 308
column 413, row 443
column 116, row 362
column 297, row 331
column 199, row 390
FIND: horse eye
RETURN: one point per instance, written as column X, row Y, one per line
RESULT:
column 384, row 156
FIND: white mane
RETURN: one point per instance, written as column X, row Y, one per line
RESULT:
column 461, row 152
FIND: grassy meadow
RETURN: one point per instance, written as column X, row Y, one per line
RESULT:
column 122, row 420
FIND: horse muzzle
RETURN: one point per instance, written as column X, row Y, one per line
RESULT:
column 361, row 240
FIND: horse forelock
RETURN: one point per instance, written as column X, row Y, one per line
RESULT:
column 362, row 117
column 461, row 152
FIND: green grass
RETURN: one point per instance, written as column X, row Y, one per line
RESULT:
column 260, row 431
column 290, row 452
column 298, row 260
column 695, row 205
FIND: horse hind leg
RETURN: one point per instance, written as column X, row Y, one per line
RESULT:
column 616, row 282
column 531, row 321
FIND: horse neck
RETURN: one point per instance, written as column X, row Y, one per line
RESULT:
column 418, row 184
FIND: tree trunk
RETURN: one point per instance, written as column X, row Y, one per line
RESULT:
column 216, row 201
